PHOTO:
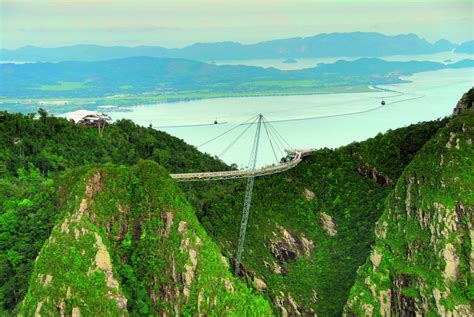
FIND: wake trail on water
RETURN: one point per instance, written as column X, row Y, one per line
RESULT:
column 398, row 94
column 415, row 96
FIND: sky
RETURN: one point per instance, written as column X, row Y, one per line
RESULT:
column 51, row 23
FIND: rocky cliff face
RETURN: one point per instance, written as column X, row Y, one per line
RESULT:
column 130, row 244
column 311, row 227
column 465, row 102
column 422, row 263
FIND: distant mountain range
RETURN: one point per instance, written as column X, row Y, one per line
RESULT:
column 139, row 75
column 368, row 44
column 466, row 47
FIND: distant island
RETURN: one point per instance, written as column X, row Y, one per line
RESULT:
column 290, row 61
column 146, row 80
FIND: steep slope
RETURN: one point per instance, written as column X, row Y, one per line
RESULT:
column 53, row 144
column 423, row 261
column 33, row 152
column 130, row 244
column 310, row 228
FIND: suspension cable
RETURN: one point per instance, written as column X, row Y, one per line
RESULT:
column 237, row 138
column 280, row 136
column 275, row 140
column 270, row 140
column 224, row 133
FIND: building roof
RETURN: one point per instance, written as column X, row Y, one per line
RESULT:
column 82, row 114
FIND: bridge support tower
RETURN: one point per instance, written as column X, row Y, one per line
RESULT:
column 248, row 196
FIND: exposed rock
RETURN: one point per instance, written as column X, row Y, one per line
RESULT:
column 464, row 103
column 381, row 229
column 65, row 226
column 224, row 261
column 309, row 195
column 384, row 302
column 102, row 257
column 451, row 270
column 403, row 305
column 38, row 309
column 188, row 276
column 279, row 301
column 47, row 280
column 294, row 305
column 328, row 223
column 286, row 246
column 408, row 199
column 452, row 135
column 76, row 233
column 182, row 226
column 228, row 286
column 102, row 261
column 62, row 307
column 375, row 258
column 94, row 185
column 308, row 245
column 260, row 284
column 76, row 312
column 169, row 222
column 274, row 267
column 368, row 309
column 373, row 174
column 121, row 209
column 184, row 244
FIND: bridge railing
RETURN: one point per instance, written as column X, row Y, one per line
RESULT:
column 189, row 177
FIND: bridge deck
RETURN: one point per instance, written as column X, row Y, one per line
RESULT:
column 205, row 176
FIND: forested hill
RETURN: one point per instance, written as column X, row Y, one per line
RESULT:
column 128, row 243
column 118, row 236
column 422, row 260
column 155, row 76
column 311, row 227
column 53, row 144
column 35, row 152
column 321, row 45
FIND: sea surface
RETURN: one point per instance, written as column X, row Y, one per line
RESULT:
column 310, row 121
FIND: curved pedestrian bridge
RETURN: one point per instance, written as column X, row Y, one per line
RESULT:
column 268, row 170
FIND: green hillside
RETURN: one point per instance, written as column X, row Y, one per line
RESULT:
column 422, row 261
column 130, row 244
column 311, row 227
column 34, row 153
column 94, row 225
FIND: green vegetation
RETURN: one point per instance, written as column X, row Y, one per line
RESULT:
column 152, row 80
column 63, row 86
column 384, row 223
column 35, row 151
column 423, row 252
column 31, row 104
column 134, row 246
column 290, row 207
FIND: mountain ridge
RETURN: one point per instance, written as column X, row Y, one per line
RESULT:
column 321, row 45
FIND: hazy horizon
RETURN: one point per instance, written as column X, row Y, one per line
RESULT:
column 223, row 41
column 175, row 24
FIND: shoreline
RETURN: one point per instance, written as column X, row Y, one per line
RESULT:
column 121, row 103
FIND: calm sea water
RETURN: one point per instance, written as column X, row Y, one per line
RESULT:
column 444, row 57
column 313, row 121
